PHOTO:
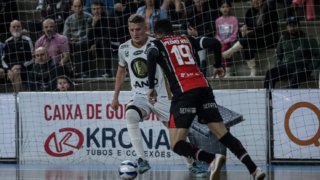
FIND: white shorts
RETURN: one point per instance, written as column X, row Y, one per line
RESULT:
column 161, row 108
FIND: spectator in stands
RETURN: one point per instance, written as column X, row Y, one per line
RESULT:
column 17, row 56
column 200, row 22
column 45, row 72
column 8, row 13
column 227, row 30
column 311, row 14
column 57, row 45
column 260, row 31
column 108, row 6
column 58, row 10
column 76, row 29
column 297, row 56
column 123, row 10
column 175, row 8
column 100, row 35
column 63, row 83
column 152, row 11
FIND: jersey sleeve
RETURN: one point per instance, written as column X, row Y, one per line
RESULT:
column 206, row 43
column 152, row 56
column 121, row 55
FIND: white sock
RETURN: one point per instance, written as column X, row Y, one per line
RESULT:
column 189, row 161
column 135, row 135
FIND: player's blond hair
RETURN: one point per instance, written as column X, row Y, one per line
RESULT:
column 136, row 19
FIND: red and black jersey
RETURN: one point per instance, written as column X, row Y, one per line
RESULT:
column 178, row 57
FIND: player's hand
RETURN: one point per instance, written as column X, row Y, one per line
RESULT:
column 219, row 72
column 152, row 96
column 222, row 43
column 192, row 31
column 115, row 104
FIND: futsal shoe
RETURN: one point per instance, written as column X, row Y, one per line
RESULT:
column 216, row 165
column 258, row 175
column 198, row 171
column 143, row 165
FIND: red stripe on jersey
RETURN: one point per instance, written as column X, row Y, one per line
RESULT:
column 172, row 123
column 184, row 63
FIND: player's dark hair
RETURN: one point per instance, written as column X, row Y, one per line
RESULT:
column 163, row 27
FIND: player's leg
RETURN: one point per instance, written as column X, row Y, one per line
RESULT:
column 182, row 113
column 211, row 115
column 162, row 111
column 183, row 148
column 194, row 169
column 134, row 115
column 235, row 146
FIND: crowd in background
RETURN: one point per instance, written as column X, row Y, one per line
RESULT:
column 78, row 39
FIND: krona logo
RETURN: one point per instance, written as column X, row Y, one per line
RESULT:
column 63, row 141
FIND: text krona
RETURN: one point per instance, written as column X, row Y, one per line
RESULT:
column 91, row 112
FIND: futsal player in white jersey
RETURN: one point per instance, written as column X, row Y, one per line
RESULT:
column 132, row 55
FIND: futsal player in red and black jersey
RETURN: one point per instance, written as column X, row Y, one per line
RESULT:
column 192, row 95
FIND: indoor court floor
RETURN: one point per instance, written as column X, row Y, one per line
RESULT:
column 158, row 172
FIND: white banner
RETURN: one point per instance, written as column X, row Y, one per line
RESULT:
column 81, row 128
column 7, row 126
column 296, row 128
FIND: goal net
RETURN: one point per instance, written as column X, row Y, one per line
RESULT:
column 40, row 125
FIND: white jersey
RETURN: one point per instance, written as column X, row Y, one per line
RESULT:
column 136, row 61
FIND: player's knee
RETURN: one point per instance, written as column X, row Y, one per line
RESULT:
column 133, row 116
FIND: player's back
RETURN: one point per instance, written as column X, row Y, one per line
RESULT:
column 179, row 60
column 135, row 59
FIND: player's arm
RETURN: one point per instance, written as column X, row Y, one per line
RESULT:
column 120, row 77
column 213, row 44
column 152, row 56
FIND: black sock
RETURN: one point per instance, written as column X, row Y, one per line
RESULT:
column 237, row 149
column 186, row 149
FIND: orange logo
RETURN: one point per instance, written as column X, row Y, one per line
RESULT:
column 314, row 139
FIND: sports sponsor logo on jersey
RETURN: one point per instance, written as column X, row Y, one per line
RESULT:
column 138, row 52
column 189, row 74
column 139, row 67
column 141, row 84
column 124, row 46
column 188, row 110
column 210, row 106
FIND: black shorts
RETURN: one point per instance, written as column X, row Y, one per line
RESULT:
column 185, row 107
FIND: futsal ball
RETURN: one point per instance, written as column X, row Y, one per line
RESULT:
column 128, row 170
